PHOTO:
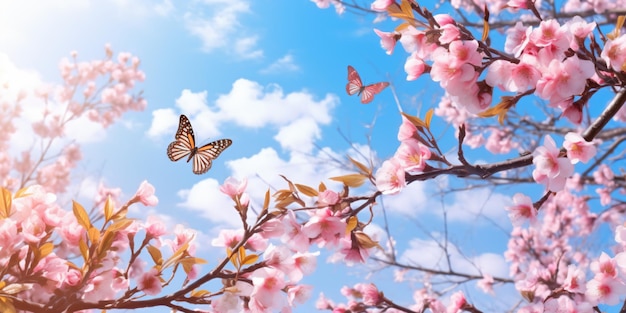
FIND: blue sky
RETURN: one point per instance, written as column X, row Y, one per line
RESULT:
column 271, row 76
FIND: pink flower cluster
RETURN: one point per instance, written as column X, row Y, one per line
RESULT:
column 551, row 169
column 410, row 157
column 35, row 221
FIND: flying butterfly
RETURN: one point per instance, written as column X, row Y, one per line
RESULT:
column 185, row 145
column 355, row 86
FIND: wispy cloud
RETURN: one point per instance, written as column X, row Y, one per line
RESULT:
column 285, row 64
column 220, row 28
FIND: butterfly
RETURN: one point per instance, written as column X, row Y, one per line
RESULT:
column 185, row 145
column 355, row 86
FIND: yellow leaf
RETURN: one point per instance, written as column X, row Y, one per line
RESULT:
column 21, row 193
column 250, row 259
column 5, row 202
column 6, row 305
column 500, row 109
column 177, row 255
column 199, row 293
column 232, row 257
column 242, row 253
column 365, row 241
column 618, row 26
column 429, row 117
column 321, row 187
column 105, row 244
column 415, row 120
column 12, row 289
column 401, row 27
column 155, row 254
column 351, row 180
column 81, row 215
column 282, row 194
column 266, row 202
column 46, row 249
column 307, row 190
column 94, row 235
column 120, row 225
column 108, row 209
column 362, row 168
column 485, row 30
column 405, row 6
column 84, row 250
column 352, row 222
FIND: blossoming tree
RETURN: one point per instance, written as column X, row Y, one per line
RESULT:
column 57, row 259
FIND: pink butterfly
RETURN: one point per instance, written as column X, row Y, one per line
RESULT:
column 355, row 86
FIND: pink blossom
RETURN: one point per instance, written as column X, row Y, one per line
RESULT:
column 414, row 67
column 324, row 303
column 145, row 194
column 412, row 155
column 324, row 227
column 298, row 294
column 371, row 295
column 381, row 5
column 99, row 288
column 578, row 149
column 407, row 130
column 149, row 282
column 551, row 170
column 517, row 39
column 563, row 79
column 233, row 187
column 387, row 40
column 352, row 251
column 294, row 237
column 465, row 52
column 268, row 283
column 449, row 33
column 457, row 302
column 575, row 280
column 614, row 53
column 566, row 305
column 272, row 228
column 328, row 198
column 604, row 175
column 486, row 284
column 34, row 229
column 228, row 302
column 155, row 228
column 514, row 77
column 390, row 177
column 522, row 210
column 500, row 141
column 604, row 290
column 304, row 264
column 604, row 266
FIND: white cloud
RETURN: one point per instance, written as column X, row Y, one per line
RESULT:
column 206, row 199
column 246, row 48
column 222, row 27
column 164, row 121
column 412, row 201
column 299, row 135
column 473, row 204
column 249, row 104
column 285, row 64
column 164, row 8
column 429, row 254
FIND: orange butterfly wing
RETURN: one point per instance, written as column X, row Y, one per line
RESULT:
column 185, row 145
